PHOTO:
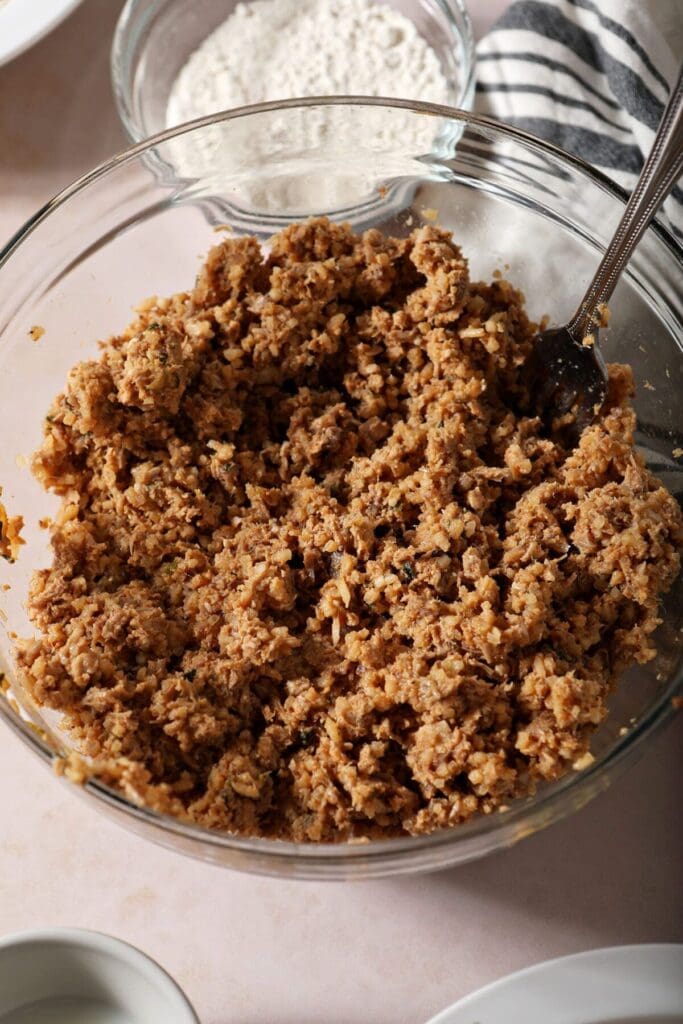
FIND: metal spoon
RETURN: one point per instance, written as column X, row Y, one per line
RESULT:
column 566, row 371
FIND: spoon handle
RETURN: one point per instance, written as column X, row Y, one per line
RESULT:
column 660, row 172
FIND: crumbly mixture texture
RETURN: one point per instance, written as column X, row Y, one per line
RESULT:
column 10, row 533
column 314, row 577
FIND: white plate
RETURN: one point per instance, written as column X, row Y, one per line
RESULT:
column 24, row 22
column 621, row 985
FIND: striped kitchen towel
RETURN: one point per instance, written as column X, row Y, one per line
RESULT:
column 592, row 76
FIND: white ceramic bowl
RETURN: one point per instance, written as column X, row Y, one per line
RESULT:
column 24, row 24
column 69, row 974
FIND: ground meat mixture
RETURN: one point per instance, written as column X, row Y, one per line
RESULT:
column 315, row 575
column 10, row 534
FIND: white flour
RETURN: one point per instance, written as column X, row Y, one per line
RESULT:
column 280, row 49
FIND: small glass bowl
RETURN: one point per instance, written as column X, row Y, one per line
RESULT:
column 132, row 228
column 155, row 38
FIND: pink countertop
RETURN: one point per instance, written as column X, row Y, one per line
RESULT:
column 253, row 950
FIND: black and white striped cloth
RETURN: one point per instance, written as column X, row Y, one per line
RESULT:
column 592, row 76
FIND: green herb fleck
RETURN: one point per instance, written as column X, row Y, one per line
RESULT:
column 408, row 570
column 306, row 737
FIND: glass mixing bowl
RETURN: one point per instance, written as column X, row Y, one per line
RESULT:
column 135, row 227
column 155, row 38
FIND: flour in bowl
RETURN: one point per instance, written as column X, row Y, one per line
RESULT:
column 281, row 49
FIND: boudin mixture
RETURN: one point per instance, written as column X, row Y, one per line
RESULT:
column 315, row 575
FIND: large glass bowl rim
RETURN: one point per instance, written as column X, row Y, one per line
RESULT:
column 527, row 815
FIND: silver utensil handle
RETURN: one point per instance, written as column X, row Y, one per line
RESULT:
column 660, row 172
